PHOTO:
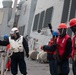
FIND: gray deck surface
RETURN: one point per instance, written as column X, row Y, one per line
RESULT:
column 36, row 68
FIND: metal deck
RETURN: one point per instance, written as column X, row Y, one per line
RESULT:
column 36, row 68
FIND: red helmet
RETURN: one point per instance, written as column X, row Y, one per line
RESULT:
column 72, row 22
column 62, row 25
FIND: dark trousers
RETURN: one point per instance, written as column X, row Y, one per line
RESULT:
column 53, row 67
column 74, row 67
column 17, row 59
column 15, row 74
column 52, row 64
column 64, row 67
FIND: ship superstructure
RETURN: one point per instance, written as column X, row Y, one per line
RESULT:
column 32, row 17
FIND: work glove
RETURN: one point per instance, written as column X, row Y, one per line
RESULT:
column 27, row 55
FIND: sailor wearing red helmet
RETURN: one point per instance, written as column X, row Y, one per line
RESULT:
column 72, row 24
column 63, row 46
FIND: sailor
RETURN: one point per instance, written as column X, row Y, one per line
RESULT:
column 51, row 55
column 17, row 45
column 72, row 24
column 63, row 47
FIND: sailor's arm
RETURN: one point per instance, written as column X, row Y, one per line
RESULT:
column 4, row 43
column 25, row 45
column 49, row 48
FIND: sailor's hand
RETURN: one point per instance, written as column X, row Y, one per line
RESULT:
column 44, row 47
column 27, row 55
column 41, row 47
